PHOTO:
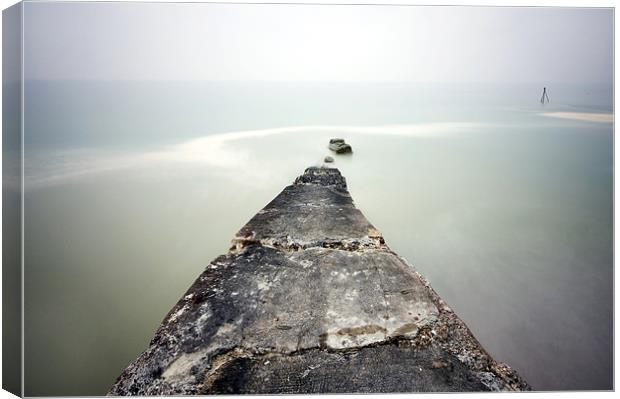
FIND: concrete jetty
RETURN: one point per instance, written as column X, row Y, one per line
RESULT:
column 310, row 299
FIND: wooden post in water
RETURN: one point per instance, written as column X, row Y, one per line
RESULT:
column 544, row 95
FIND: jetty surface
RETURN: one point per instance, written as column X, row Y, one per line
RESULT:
column 310, row 299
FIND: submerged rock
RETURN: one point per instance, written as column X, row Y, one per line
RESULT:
column 328, row 159
column 339, row 146
column 310, row 299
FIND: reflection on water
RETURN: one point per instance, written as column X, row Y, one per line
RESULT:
column 508, row 213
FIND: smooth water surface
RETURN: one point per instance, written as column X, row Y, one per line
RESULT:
column 133, row 187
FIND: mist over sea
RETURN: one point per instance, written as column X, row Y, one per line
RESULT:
column 505, row 205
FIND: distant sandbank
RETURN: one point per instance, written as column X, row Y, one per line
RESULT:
column 582, row 116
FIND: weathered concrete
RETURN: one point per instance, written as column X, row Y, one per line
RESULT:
column 316, row 211
column 309, row 300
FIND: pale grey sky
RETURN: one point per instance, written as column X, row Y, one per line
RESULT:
column 305, row 42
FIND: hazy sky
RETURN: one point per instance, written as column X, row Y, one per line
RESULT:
column 304, row 42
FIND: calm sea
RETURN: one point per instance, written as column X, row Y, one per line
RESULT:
column 132, row 188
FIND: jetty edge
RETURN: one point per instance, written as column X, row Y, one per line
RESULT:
column 310, row 299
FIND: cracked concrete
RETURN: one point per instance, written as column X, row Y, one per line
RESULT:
column 310, row 299
column 315, row 211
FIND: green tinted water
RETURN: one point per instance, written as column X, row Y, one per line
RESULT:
column 132, row 188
